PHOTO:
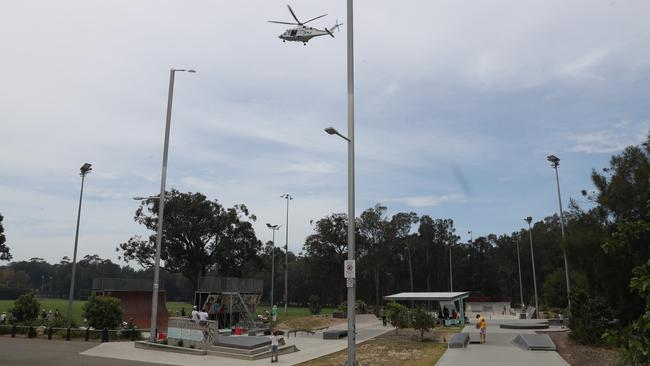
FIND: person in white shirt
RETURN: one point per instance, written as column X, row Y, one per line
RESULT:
column 203, row 315
column 274, row 346
column 195, row 313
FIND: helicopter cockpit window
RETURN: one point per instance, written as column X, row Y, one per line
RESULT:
column 293, row 32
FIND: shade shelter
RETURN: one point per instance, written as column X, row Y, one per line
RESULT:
column 433, row 296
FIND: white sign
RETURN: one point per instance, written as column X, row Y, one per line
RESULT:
column 349, row 269
column 349, row 282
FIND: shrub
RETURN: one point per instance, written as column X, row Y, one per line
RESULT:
column 588, row 319
column 314, row 304
column 397, row 314
column 26, row 308
column 422, row 321
column 103, row 312
column 361, row 308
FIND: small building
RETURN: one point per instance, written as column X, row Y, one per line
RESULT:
column 454, row 299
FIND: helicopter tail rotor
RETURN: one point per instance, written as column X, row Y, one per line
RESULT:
column 336, row 27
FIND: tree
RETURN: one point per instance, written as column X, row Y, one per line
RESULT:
column 103, row 312
column 422, row 321
column 326, row 250
column 26, row 308
column 375, row 253
column 4, row 249
column 198, row 235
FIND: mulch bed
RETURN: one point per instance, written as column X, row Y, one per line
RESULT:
column 581, row 355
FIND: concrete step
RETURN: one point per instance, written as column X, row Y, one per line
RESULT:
column 266, row 353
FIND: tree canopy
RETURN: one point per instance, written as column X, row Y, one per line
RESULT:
column 4, row 249
column 199, row 235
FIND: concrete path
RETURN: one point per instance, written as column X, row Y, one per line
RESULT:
column 310, row 347
column 498, row 351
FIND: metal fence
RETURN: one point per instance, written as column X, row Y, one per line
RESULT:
column 124, row 284
column 88, row 334
column 230, row 284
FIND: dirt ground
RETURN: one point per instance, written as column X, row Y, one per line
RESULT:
column 579, row 355
column 309, row 323
column 404, row 349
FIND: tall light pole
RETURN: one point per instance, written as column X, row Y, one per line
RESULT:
column 288, row 197
column 471, row 238
column 85, row 169
column 529, row 219
column 161, row 206
column 521, row 289
column 351, row 282
column 555, row 162
column 274, row 228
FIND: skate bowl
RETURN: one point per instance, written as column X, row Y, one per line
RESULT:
column 135, row 296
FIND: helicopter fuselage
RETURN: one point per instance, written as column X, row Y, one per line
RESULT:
column 301, row 34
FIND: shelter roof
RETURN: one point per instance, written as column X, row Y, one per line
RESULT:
column 428, row 296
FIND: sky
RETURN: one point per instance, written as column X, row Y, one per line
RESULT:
column 457, row 105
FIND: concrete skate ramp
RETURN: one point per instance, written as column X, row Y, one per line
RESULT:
column 136, row 305
column 243, row 342
column 534, row 342
column 525, row 324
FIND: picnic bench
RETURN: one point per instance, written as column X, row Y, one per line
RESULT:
column 335, row 334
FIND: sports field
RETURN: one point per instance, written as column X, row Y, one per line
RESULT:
column 172, row 306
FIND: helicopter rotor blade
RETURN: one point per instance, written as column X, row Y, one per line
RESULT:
column 294, row 15
column 328, row 32
column 314, row 18
column 275, row 21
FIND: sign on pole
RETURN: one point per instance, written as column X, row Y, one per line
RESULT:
column 349, row 282
column 349, row 269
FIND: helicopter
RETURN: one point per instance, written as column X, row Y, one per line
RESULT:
column 302, row 33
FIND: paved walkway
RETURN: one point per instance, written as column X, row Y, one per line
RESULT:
column 498, row 351
column 310, row 347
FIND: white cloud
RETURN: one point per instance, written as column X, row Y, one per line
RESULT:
column 610, row 140
column 430, row 201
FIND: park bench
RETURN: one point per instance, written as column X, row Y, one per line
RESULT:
column 450, row 322
column 459, row 340
column 335, row 334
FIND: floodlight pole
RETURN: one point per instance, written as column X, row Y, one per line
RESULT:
column 161, row 208
column 274, row 228
column 521, row 290
column 288, row 197
column 529, row 219
column 85, row 169
column 352, row 334
column 555, row 162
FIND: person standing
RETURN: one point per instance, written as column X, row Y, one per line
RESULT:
column 481, row 325
column 195, row 313
column 274, row 346
column 274, row 313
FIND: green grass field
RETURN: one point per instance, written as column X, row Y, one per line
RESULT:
column 172, row 306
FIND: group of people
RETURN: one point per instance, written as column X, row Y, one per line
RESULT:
column 199, row 315
column 444, row 313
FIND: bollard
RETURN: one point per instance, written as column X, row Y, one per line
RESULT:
column 132, row 334
column 13, row 331
column 49, row 333
column 87, row 333
column 67, row 334
column 105, row 335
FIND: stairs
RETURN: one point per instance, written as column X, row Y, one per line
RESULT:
column 249, row 354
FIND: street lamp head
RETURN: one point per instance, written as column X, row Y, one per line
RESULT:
column 331, row 131
column 287, row 196
column 555, row 161
column 192, row 71
column 528, row 219
column 86, row 168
